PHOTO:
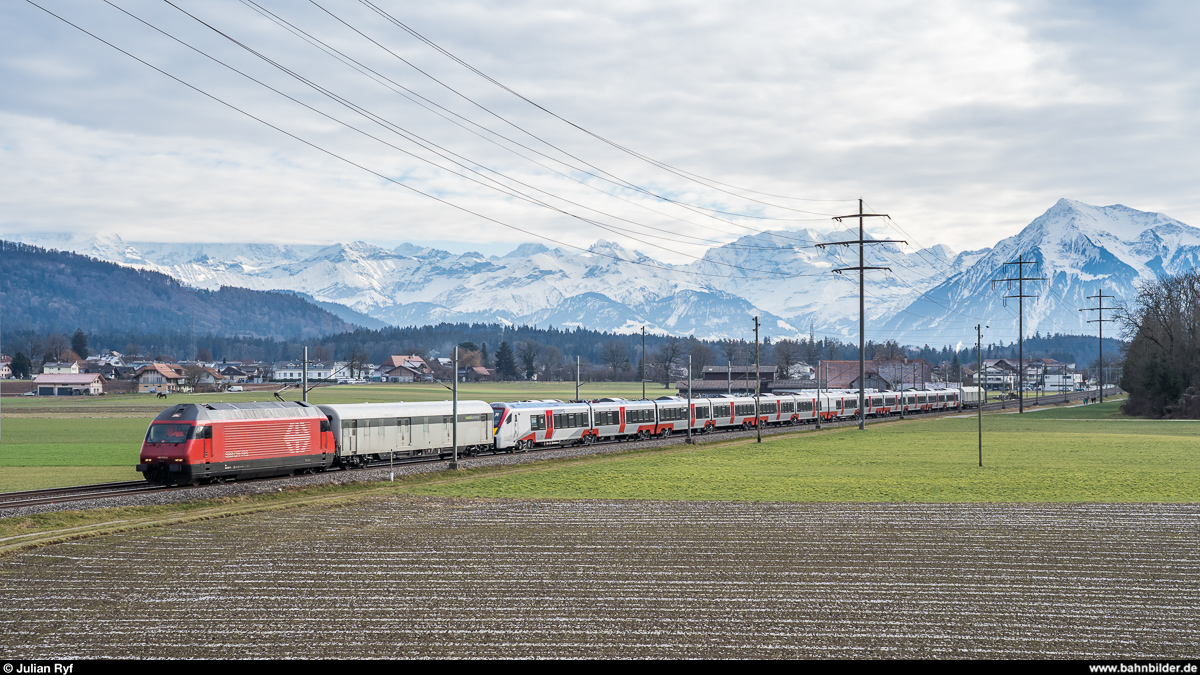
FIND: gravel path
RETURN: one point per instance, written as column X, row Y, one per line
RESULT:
column 429, row 577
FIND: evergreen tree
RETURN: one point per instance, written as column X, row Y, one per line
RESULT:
column 21, row 366
column 79, row 343
column 506, row 363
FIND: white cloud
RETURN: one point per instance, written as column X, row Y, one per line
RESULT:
column 962, row 120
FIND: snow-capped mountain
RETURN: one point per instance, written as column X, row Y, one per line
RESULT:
column 929, row 296
column 1079, row 250
column 779, row 277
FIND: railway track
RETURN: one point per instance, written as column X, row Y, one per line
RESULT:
column 12, row 500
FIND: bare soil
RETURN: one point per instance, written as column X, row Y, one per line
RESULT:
column 414, row 577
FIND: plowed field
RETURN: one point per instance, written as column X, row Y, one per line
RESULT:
column 418, row 577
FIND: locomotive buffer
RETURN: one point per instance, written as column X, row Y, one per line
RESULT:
column 862, row 314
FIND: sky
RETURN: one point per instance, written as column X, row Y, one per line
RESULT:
column 668, row 127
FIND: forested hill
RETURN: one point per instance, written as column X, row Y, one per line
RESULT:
column 53, row 291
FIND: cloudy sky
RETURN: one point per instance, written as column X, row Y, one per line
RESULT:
column 964, row 121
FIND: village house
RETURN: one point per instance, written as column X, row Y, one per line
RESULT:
column 402, row 368
column 159, row 378
column 63, row 368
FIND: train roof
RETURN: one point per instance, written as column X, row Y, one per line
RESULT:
column 254, row 410
column 402, row 409
column 537, row 405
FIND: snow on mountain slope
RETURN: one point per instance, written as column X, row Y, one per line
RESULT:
column 929, row 296
column 1079, row 249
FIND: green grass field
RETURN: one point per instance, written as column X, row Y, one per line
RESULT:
column 1085, row 454
column 346, row 393
column 52, row 442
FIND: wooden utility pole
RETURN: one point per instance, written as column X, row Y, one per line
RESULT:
column 982, row 391
column 862, row 312
column 1100, row 296
column 757, row 384
column 691, row 413
column 643, row 362
column 454, row 413
column 1020, row 279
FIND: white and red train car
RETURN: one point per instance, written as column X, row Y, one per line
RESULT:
column 212, row 442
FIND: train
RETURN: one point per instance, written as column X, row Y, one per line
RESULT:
column 193, row 443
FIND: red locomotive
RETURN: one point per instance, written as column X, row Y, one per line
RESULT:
column 212, row 442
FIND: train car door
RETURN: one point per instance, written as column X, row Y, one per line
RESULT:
column 350, row 437
column 205, row 435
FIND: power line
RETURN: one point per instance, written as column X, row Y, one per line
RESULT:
column 366, row 169
column 429, row 105
column 1099, row 297
column 436, row 149
column 1020, row 262
column 862, row 316
column 662, row 165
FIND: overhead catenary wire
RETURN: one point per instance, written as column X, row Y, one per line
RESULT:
column 673, row 268
column 449, row 115
column 373, row 172
column 680, row 172
column 441, row 151
column 508, row 190
column 542, row 140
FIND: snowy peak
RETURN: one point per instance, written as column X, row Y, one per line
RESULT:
column 358, row 251
column 526, row 251
column 781, row 276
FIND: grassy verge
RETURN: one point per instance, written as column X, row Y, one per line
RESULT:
column 1081, row 454
column 25, row 532
column 1086, row 454
column 67, row 437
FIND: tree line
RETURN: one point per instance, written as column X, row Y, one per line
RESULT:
column 520, row 352
column 1162, row 362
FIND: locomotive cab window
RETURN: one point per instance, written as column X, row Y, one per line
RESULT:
column 169, row 433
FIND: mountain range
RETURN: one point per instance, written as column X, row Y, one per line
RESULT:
column 932, row 295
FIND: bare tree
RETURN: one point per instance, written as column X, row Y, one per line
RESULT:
column 889, row 351
column 732, row 350
column 192, row 376
column 787, row 354
column 668, row 357
column 321, row 353
column 356, row 363
column 702, row 357
column 555, row 363
column 615, row 355
column 55, row 347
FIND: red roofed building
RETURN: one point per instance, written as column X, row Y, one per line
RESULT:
column 159, row 377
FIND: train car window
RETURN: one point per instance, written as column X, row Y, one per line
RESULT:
column 325, row 424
